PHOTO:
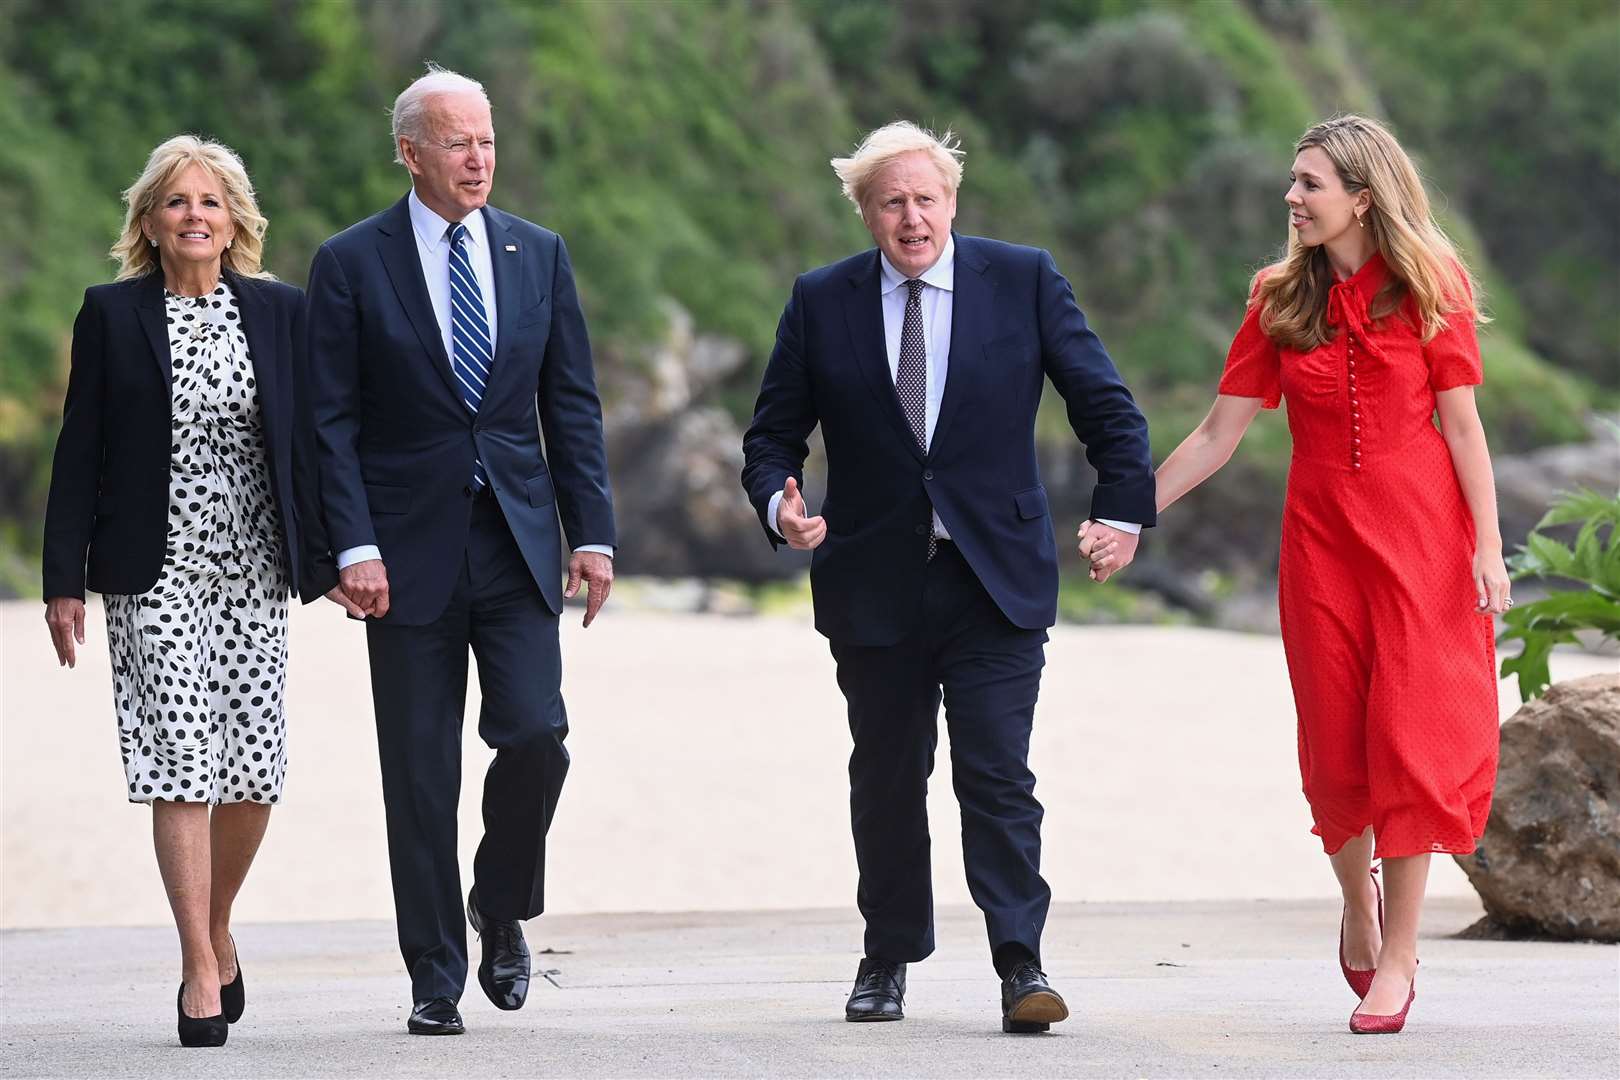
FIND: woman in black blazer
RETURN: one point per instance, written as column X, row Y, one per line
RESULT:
column 172, row 495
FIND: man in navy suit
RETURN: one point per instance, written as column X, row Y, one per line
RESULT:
column 935, row 567
column 438, row 330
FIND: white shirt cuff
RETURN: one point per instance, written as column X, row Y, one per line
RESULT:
column 349, row 556
column 770, row 511
column 1131, row 527
column 600, row 549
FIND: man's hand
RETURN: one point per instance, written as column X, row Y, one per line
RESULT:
column 65, row 616
column 596, row 570
column 366, row 586
column 801, row 532
column 338, row 597
column 1108, row 550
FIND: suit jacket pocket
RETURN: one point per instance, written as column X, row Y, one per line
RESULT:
column 539, row 489
column 1031, row 503
column 532, row 314
column 388, row 499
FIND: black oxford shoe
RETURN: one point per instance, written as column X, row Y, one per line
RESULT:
column 1028, row 1002
column 879, row 994
column 504, row 970
column 436, row 1016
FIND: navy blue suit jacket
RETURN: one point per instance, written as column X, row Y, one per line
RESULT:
column 396, row 445
column 1014, row 325
column 107, row 517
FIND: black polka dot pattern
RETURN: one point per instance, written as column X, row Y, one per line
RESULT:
column 200, row 661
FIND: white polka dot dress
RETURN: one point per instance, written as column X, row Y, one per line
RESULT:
column 200, row 661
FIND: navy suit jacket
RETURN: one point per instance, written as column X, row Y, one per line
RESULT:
column 107, row 516
column 396, row 445
column 1014, row 324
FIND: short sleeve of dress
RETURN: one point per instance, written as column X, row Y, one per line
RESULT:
column 1252, row 364
column 1453, row 354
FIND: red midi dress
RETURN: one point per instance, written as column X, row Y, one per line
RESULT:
column 1392, row 665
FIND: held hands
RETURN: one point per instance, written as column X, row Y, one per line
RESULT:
column 1491, row 582
column 1108, row 550
column 365, row 586
column 65, row 616
column 801, row 532
column 596, row 570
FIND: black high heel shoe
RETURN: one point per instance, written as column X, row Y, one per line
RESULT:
column 233, row 995
column 200, row 1030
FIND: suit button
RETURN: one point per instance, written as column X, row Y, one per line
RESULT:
column 478, row 429
column 928, row 474
column 921, row 530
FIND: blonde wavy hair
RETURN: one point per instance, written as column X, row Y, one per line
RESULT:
column 1425, row 268
column 136, row 256
column 858, row 171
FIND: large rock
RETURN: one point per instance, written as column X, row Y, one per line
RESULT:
column 1550, row 860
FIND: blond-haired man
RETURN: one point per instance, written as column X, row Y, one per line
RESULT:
column 935, row 566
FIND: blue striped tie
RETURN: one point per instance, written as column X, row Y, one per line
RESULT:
column 471, row 351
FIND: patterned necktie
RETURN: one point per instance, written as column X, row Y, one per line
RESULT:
column 471, row 351
column 911, row 380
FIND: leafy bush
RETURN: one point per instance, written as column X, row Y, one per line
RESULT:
column 1592, row 559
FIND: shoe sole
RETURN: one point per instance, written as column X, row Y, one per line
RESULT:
column 435, row 1030
column 870, row 1018
column 1037, row 1012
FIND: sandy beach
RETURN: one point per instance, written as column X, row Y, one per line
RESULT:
column 708, row 774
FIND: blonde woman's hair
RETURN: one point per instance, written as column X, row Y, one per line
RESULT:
column 1424, row 266
column 136, row 255
column 860, row 169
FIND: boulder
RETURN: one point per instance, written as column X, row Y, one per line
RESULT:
column 1549, row 864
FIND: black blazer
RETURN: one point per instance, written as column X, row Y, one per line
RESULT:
column 395, row 443
column 107, row 517
column 1014, row 325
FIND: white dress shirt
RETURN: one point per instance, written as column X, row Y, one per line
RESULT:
column 937, row 308
column 432, row 234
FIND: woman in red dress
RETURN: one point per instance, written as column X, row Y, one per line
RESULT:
column 1391, row 562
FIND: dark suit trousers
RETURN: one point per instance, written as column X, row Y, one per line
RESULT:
column 419, row 685
column 988, row 673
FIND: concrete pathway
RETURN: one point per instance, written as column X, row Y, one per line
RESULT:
column 1218, row 989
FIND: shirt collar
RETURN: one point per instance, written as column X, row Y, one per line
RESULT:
column 433, row 229
column 942, row 275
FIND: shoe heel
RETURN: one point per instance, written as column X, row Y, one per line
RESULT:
column 200, row 1030
column 1023, row 1027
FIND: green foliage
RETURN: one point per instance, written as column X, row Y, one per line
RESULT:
column 1592, row 560
column 682, row 151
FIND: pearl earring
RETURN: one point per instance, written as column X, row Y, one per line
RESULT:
column 152, row 242
column 1360, row 223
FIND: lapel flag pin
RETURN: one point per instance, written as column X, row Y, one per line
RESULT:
column 511, row 247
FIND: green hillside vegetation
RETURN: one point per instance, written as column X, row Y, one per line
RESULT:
column 681, row 149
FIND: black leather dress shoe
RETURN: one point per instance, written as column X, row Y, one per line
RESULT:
column 1028, row 1002
column 879, row 994
column 504, row 970
column 436, row 1016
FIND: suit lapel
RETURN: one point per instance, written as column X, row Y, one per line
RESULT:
column 863, row 310
column 257, row 328
column 972, row 301
column 506, row 263
column 155, row 320
column 396, row 243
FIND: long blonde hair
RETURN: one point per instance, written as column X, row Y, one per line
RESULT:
column 135, row 254
column 1424, row 266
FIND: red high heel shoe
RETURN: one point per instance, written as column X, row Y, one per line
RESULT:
column 1361, row 981
column 1370, row 1024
